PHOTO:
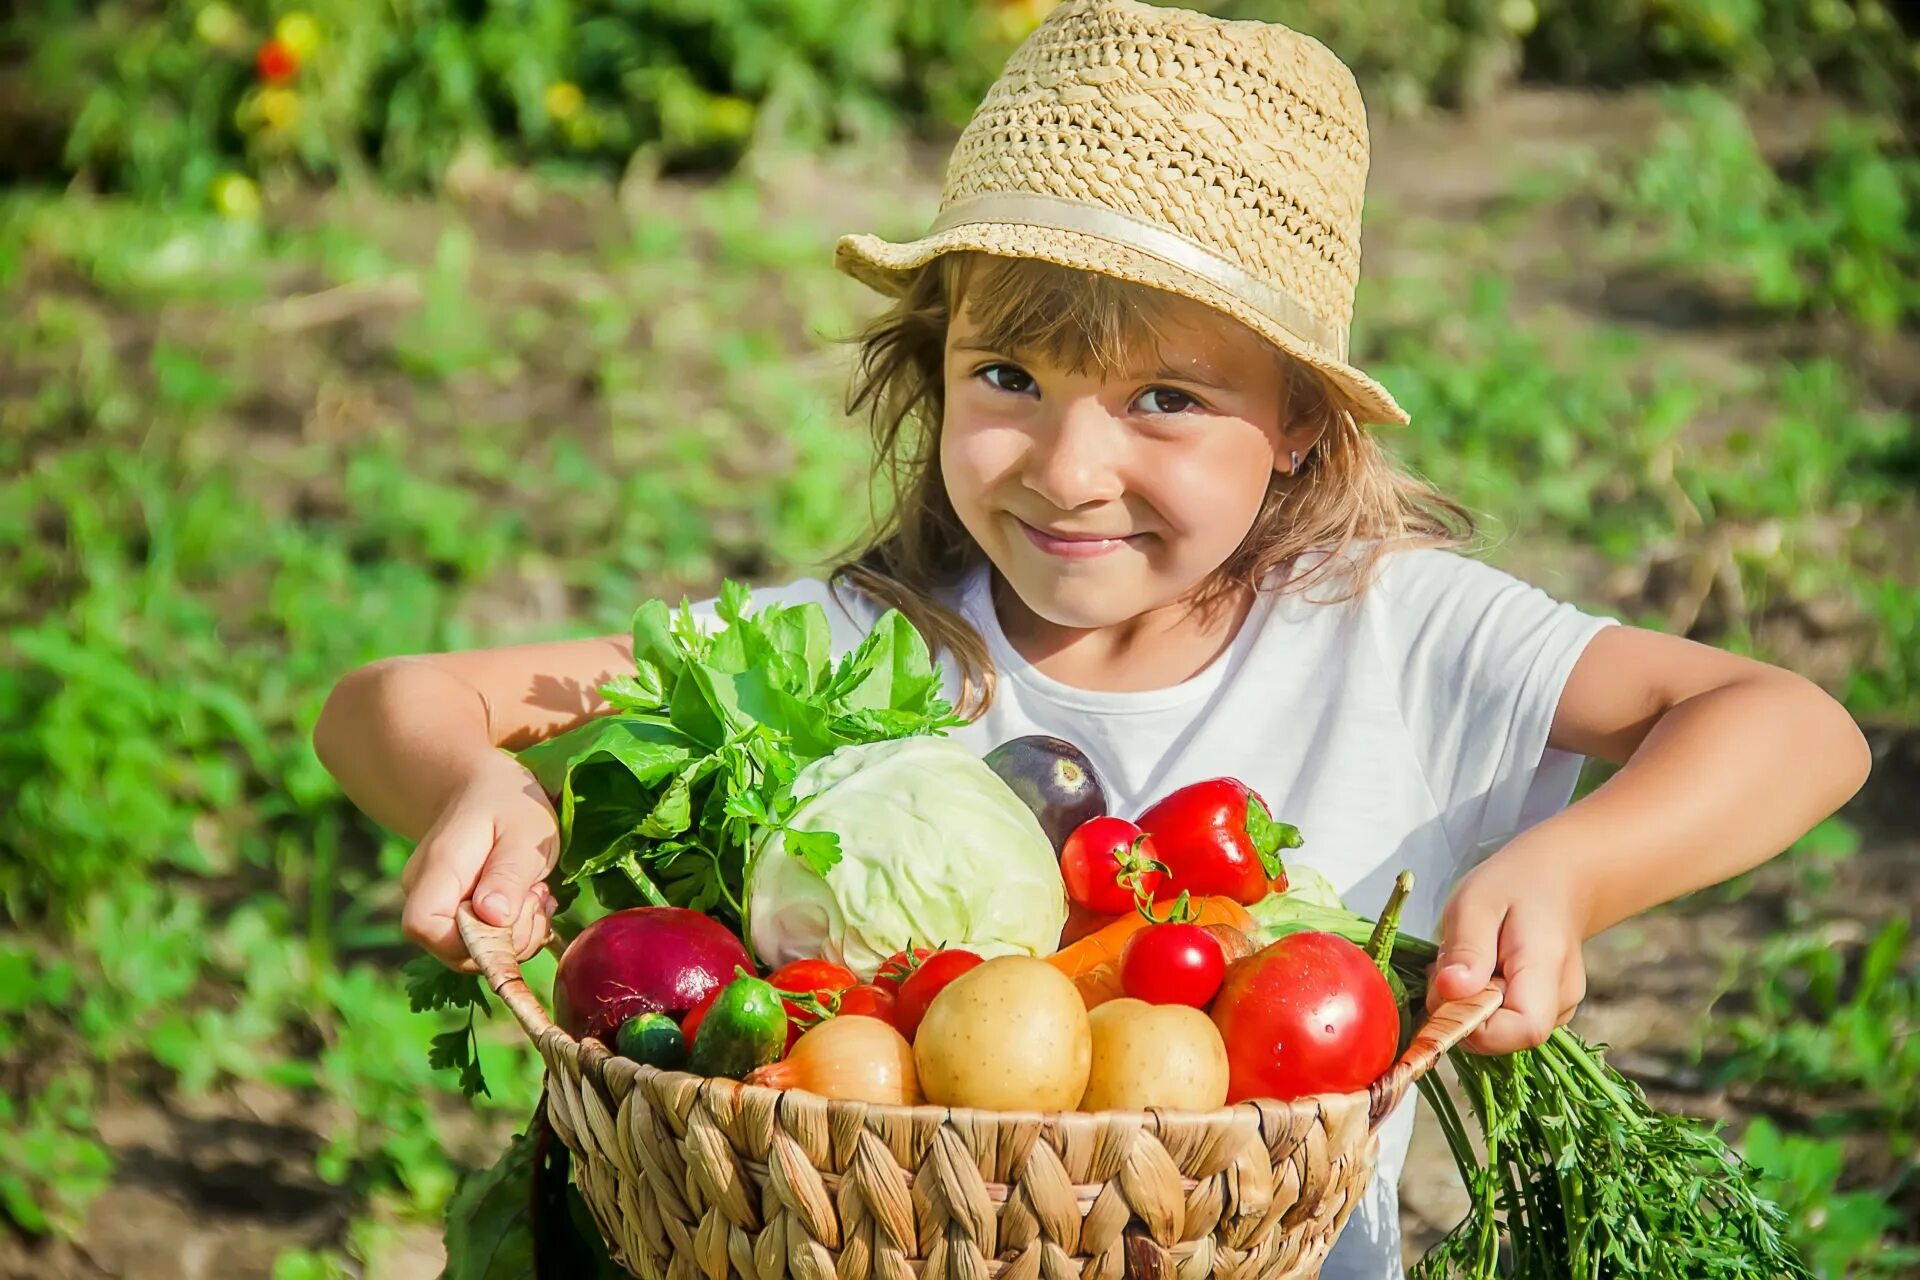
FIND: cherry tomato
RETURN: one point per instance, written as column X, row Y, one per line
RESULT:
column 1091, row 862
column 926, row 982
column 896, row 968
column 690, row 1025
column 870, row 1000
column 1172, row 964
column 821, row 979
column 276, row 61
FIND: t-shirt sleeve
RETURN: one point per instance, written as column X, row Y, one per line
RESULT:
column 1483, row 658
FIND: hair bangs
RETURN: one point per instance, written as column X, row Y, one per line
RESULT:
column 1071, row 319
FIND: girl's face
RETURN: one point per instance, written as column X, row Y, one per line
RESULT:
column 1103, row 497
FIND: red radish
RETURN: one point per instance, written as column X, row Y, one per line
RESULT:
column 926, row 982
column 1172, row 964
column 1101, row 860
column 642, row 960
column 1311, row 1013
column 1218, row 837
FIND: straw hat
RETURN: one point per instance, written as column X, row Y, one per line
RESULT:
column 1219, row 160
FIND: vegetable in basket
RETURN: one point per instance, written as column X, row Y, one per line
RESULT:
column 1053, row 778
column 932, row 847
column 662, row 800
column 1581, row 1177
column 642, row 960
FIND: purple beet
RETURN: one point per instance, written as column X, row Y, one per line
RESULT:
column 1053, row 778
column 642, row 960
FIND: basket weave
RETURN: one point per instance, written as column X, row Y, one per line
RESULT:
column 692, row 1177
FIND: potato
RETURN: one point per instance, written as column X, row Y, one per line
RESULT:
column 1154, row 1055
column 1007, row 1035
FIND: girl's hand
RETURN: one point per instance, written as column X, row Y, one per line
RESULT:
column 1524, row 920
column 494, row 842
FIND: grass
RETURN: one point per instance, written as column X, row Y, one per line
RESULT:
column 240, row 459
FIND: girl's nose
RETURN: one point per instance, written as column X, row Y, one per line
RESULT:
column 1077, row 462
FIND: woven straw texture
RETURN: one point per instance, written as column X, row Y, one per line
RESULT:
column 1245, row 140
column 690, row 1177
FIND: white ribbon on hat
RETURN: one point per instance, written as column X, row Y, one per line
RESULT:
column 1032, row 209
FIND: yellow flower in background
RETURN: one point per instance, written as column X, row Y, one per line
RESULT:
column 299, row 32
column 235, row 196
column 219, row 26
column 279, row 108
column 729, row 117
column 563, row 100
column 1016, row 19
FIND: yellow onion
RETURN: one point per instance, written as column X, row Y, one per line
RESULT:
column 851, row 1057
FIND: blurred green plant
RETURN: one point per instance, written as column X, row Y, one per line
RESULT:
column 169, row 97
column 1844, row 1235
column 1843, row 238
column 1861, row 48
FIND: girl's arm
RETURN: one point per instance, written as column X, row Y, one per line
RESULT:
column 1726, row 761
column 415, row 743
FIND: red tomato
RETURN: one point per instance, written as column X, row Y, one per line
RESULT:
column 1217, row 837
column 276, row 62
column 821, row 979
column 1172, row 964
column 690, row 1025
column 1091, row 864
column 1311, row 1013
column 926, row 982
column 896, row 968
column 871, row 1001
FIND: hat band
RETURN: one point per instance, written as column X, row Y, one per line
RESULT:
column 1028, row 208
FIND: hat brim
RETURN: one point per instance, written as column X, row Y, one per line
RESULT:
column 888, row 266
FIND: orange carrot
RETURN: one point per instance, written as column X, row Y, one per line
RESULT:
column 1099, row 985
column 1104, row 944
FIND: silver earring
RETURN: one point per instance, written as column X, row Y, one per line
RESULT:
column 1293, row 461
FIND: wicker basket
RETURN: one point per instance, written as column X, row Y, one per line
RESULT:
column 694, row 1177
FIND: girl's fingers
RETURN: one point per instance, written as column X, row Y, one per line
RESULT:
column 519, row 861
column 1470, row 946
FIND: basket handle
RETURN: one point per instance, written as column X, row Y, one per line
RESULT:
column 491, row 947
column 1446, row 1027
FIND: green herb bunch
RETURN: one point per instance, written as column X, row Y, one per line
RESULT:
column 662, row 801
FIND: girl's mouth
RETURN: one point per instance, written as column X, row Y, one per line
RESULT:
column 1071, row 546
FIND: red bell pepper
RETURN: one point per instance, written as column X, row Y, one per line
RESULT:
column 1218, row 837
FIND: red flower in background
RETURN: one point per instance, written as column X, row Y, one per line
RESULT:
column 276, row 62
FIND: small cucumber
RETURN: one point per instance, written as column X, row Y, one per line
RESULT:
column 652, row 1038
column 745, row 1028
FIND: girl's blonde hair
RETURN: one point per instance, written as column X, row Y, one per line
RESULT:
column 1347, row 492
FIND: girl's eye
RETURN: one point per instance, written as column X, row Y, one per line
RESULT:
column 1019, row 383
column 1175, row 402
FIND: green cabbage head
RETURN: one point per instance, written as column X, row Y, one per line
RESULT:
column 934, row 850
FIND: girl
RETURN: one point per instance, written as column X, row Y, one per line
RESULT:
column 1139, row 508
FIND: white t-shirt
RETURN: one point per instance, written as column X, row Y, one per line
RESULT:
column 1405, row 729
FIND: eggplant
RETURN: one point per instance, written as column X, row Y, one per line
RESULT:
column 1053, row 778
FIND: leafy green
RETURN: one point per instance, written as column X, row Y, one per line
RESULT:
column 662, row 800
column 431, row 985
column 522, row 1218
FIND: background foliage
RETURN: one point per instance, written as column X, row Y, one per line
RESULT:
column 411, row 347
